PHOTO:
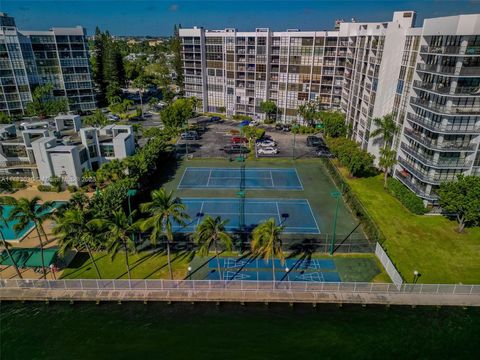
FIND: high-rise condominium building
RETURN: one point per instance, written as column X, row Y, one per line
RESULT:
column 58, row 56
column 428, row 77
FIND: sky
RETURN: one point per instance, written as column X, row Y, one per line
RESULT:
column 157, row 17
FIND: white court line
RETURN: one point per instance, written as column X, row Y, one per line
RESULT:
column 313, row 215
column 181, row 180
column 299, row 180
column 209, row 176
column 201, row 208
column 271, row 178
column 278, row 213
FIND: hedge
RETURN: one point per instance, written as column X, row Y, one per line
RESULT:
column 411, row 201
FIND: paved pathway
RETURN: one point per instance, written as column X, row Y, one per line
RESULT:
column 266, row 296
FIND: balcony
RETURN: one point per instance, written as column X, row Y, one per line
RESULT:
column 443, row 109
column 440, row 128
column 420, row 191
column 447, row 90
column 431, row 162
column 423, row 175
column 16, row 164
column 433, row 144
column 450, row 50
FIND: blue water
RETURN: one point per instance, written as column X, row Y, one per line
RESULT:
column 8, row 229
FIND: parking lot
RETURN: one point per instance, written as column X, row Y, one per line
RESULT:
column 217, row 136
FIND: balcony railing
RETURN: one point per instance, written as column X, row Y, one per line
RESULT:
column 420, row 191
column 423, row 175
column 435, row 145
column 447, row 90
column 440, row 128
column 16, row 164
column 431, row 162
column 443, row 109
column 450, row 50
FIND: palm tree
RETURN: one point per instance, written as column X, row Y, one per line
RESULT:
column 211, row 232
column 79, row 201
column 163, row 209
column 75, row 230
column 27, row 211
column 266, row 242
column 118, row 230
column 5, row 244
column 388, row 158
column 386, row 128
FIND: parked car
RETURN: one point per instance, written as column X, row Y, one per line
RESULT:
column 314, row 141
column 266, row 143
column 279, row 126
column 267, row 150
column 245, row 123
column 112, row 117
column 287, row 127
column 236, row 149
column 189, row 135
column 215, row 118
column 254, row 123
column 238, row 140
column 323, row 152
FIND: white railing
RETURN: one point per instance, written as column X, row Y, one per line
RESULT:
column 239, row 286
column 388, row 265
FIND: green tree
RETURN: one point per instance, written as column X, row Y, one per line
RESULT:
column 162, row 210
column 176, row 115
column 269, row 107
column 75, row 231
column 117, row 230
column 79, row 201
column 44, row 104
column 97, row 119
column 309, row 111
column 25, row 212
column 142, row 82
column 333, row 123
column 3, row 223
column 266, row 242
column 97, row 61
column 56, row 183
column 211, row 233
column 5, row 119
column 177, row 62
column 386, row 129
column 388, row 158
column 462, row 199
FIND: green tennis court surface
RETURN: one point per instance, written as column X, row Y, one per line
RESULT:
column 227, row 178
column 295, row 215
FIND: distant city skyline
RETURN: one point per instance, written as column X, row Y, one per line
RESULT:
column 157, row 18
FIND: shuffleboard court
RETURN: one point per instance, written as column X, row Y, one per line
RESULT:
column 295, row 215
column 230, row 178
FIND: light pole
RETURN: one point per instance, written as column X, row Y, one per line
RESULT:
column 337, row 195
column 130, row 193
column 287, row 270
column 189, row 273
column 294, row 130
column 416, row 275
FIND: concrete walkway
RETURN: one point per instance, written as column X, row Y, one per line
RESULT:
column 227, row 295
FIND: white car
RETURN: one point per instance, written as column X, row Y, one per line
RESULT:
column 266, row 143
column 253, row 123
column 112, row 117
column 267, row 151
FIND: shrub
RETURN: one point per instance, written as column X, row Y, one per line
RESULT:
column 357, row 161
column 6, row 185
column 56, row 183
column 269, row 121
column 17, row 184
column 242, row 117
column 302, row 129
column 412, row 202
column 72, row 188
column 44, row 188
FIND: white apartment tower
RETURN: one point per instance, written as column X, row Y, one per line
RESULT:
column 428, row 77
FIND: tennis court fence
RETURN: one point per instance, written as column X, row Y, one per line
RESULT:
column 239, row 286
column 388, row 265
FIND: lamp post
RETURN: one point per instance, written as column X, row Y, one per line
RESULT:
column 337, row 195
column 189, row 273
column 287, row 270
column 294, row 130
column 416, row 275
column 130, row 193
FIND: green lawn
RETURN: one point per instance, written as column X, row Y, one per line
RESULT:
column 426, row 243
column 142, row 266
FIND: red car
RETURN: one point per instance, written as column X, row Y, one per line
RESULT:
column 238, row 140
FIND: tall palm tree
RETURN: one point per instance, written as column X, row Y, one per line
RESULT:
column 4, row 242
column 211, row 232
column 75, row 230
column 266, row 242
column 386, row 129
column 27, row 211
column 388, row 158
column 118, row 230
column 163, row 209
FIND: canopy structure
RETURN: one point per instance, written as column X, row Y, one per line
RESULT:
column 29, row 257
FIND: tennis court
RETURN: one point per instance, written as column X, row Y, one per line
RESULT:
column 319, row 270
column 225, row 178
column 295, row 215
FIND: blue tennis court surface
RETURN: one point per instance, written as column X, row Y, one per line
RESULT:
column 295, row 215
column 218, row 178
column 320, row 270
